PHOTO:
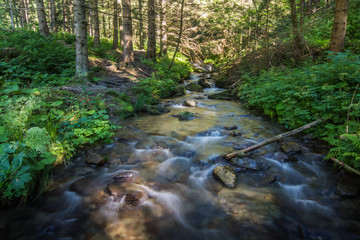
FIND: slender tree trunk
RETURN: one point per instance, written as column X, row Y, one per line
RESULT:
column 163, row 29
column 104, row 25
column 82, row 61
column 89, row 14
column 115, row 25
column 64, row 14
column 128, row 53
column 53, row 15
column 151, row 45
column 121, row 32
column 299, row 41
column 141, row 26
column 337, row 41
column 43, row 27
column 180, row 32
column 96, row 23
column 11, row 15
column 25, row 12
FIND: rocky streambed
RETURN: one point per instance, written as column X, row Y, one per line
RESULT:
column 163, row 177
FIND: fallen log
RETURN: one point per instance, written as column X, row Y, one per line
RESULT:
column 345, row 166
column 273, row 139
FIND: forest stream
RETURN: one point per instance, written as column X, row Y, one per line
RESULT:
column 158, row 184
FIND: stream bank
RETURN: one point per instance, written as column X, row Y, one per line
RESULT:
column 157, row 183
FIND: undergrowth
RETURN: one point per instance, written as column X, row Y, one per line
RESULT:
column 301, row 95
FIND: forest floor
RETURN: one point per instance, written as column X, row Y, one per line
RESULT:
column 115, row 75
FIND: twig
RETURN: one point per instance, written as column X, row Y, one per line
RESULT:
column 348, row 113
column 347, row 167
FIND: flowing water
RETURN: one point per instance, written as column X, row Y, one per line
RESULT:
column 171, row 193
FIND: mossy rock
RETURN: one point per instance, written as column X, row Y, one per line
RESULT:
column 156, row 110
column 221, row 83
column 226, row 175
column 225, row 95
column 178, row 91
column 194, row 87
column 204, row 83
column 185, row 116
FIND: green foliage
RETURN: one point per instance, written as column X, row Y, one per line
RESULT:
column 40, row 128
column 43, row 61
column 163, row 82
column 298, row 96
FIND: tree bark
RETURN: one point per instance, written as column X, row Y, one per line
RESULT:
column 53, row 15
column 128, row 53
column 64, row 14
column 82, row 61
column 163, row 28
column 345, row 166
column 141, row 26
column 180, row 32
column 96, row 23
column 299, row 41
column 121, row 31
column 11, row 15
column 151, row 45
column 337, row 41
column 43, row 27
column 273, row 139
column 115, row 26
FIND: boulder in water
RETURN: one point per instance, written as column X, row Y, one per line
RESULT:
column 185, row 116
column 290, row 147
column 249, row 164
column 221, row 83
column 190, row 103
column 235, row 133
column 226, row 174
column 95, row 159
column 81, row 186
column 194, row 87
column 116, row 190
column 175, row 169
column 178, row 91
column 225, row 95
column 125, row 177
column 231, row 128
column 348, row 185
column 156, row 110
column 203, row 82
column 133, row 198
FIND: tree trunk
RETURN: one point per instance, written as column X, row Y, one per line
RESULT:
column 151, row 45
column 273, row 139
column 163, row 28
column 115, row 26
column 180, row 33
column 128, row 53
column 82, row 61
column 64, row 14
column 53, row 15
column 299, row 41
column 43, row 27
column 121, row 31
column 141, row 26
column 104, row 25
column 96, row 23
column 11, row 15
column 337, row 41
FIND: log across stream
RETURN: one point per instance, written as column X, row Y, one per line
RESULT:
column 158, row 184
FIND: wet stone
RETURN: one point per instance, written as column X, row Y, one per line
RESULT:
column 125, row 177
column 186, row 116
column 241, row 146
column 283, row 157
column 226, row 174
column 133, row 198
column 290, row 147
column 230, row 128
column 236, row 133
column 190, row 103
column 194, row 87
column 95, row 159
column 249, row 164
column 81, row 186
column 348, row 185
